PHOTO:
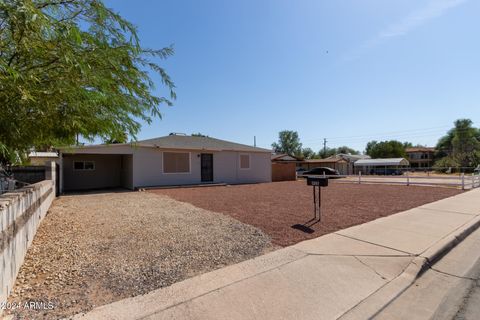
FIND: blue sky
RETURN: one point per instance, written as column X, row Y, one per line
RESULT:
column 349, row 71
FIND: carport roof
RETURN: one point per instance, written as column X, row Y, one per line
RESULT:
column 186, row 143
column 382, row 162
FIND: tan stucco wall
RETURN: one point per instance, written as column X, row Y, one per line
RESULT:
column 40, row 161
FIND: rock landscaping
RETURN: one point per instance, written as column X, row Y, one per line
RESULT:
column 276, row 207
column 94, row 249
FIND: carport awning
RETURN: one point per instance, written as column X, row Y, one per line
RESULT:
column 381, row 162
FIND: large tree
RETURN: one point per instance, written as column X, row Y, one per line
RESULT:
column 73, row 67
column 460, row 147
column 288, row 142
column 386, row 149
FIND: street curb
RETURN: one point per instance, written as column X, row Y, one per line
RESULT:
column 379, row 300
column 441, row 248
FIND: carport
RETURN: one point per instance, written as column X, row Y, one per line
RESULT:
column 387, row 166
column 92, row 171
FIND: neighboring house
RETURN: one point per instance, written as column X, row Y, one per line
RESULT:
column 38, row 158
column 351, row 159
column 381, row 166
column 420, row 157
column 171, row 160
column 284, row 167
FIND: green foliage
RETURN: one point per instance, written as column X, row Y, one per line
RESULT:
column 308, row 153
column 198, row 134
column 445, row 163
column 119, row 139
column 460, row 147
column 386, row 149
column 327, row 152
column 288, row 142
column 346, row 150
column 73, row 67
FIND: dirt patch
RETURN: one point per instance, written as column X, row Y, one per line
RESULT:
column 95, row 249
column 276, row 207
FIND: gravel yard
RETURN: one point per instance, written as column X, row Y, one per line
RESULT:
column 276, row 207
column 94, row 249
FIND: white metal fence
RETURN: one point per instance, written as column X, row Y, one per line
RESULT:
column 463, row 181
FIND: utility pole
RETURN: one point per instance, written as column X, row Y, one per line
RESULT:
column 254, row 141
column 324, row 147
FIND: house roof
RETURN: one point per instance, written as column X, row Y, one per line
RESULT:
column 186, row 143
column 327, row 160
column 352, row 157
column 419, row 149
column 284, row 157
column 198, row 143
column 382, row 162
column 40, row 154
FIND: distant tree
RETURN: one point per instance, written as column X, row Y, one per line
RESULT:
column 121, row 138
column 460, row 147
column 346, row 150
column 73, row 67
column 288, row 142
column 198, row 134
column 327, row 152
column 386, row 149
column 308, row 153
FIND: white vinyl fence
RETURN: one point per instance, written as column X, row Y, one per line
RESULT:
column 463, row 181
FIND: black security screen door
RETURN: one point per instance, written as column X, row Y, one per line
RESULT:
column 207, row 167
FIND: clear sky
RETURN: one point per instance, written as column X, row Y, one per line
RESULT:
column 349, row 71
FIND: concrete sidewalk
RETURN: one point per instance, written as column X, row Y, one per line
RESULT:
column 350, row 274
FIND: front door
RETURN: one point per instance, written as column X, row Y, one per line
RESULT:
column 207, row 167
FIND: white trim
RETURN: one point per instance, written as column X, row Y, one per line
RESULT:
column 189, row 163
column 73, row 165
column 240, row 161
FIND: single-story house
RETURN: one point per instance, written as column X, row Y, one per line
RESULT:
column 165, row 161
column 351, row 159
column 386, row 166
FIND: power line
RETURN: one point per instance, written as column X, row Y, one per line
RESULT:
column 426, row 132
column 383, row 133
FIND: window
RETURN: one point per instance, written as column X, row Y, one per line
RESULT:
column 83, row 165
column 244, row 161
column 176, row 162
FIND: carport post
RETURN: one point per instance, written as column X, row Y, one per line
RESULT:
column 359, row 177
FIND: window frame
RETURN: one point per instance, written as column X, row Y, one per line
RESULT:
column 240, row 161
column 83, row 161
column 189, row 162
